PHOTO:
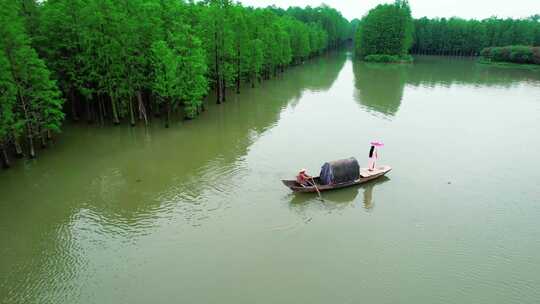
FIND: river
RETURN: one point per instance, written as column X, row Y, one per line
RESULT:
column 196, row 213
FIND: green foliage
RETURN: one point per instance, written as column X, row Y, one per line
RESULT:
column 166, row 67
column 8, row 99
column 385, row 30
column 30, row 99
column 353, row 28
column 331, row 21
column 457, row 36
column 515, row 54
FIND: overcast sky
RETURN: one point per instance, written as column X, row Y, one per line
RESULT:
column 478, row 9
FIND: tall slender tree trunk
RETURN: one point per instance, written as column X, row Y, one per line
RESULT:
column 142, row 109
column 131, row 113
column 157, row 109
column 238, row 72
column 29, row 130
column 5, row 158
column 18, row 149
column 100, row 109
column 218, row 75
column 88, row 112
column 224, row 88
column 223, row 83
column 31, row 146
column 218, row 90
column 73, row 105
column 168, row 119
column 49, row 135
column 116, row 121
column 43, row 139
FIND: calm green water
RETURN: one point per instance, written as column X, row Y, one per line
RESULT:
column 197, row 213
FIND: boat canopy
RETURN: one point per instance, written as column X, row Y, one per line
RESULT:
column 340, row 171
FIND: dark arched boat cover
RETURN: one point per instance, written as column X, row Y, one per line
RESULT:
column 340, row 171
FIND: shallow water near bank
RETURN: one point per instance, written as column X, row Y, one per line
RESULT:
column 197, row 214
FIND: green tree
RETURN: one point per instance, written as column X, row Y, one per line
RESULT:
column 8, row 99
column 38, row 104
column 385, row 30
column 166, row 84
column 218, row 43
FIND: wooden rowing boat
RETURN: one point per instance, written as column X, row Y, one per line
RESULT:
column 365, row 176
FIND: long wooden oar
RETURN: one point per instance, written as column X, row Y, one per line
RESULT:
column 318, row 192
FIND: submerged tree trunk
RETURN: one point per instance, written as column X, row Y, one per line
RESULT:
column 43, row 138
column 238, row 72
column 116, row 121
column 219, row 90
column 88, row 112
column 142, row 109
column 168, row 119
column 18, row 149
column 131, row 113
column 73, row 105
column 100, row 109
column 218, row 75
column 31, row 146
column 157, row 109
column 29, row 130
column 223, row 87
column 5, row 158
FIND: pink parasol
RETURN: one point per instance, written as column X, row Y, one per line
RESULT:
column 377, row 144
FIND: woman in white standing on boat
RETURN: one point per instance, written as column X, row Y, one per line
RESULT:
column 373, row 156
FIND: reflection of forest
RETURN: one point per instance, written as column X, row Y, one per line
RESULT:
column 380, row 86
column 121, row 177
column 437, row 70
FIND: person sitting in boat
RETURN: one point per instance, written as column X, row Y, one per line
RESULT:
column 303, row 178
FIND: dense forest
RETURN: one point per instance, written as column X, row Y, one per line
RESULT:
column 457, row 36
column 105, row 60
column 388, row 33
column 385, row 33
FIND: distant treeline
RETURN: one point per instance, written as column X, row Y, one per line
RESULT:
column 108, row 60
column 385, row 34
column 462, row 37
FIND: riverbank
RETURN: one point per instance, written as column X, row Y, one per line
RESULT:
column 487, row 62
column 389, row 59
